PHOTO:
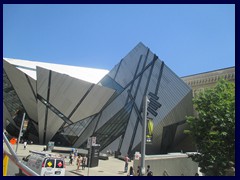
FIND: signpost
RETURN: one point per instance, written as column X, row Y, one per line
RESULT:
column 150, row 105
column 143, row 148
column 91, row 142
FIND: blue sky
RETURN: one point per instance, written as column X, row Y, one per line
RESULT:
column 190, row 39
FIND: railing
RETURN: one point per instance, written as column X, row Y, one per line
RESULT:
column 13, row 156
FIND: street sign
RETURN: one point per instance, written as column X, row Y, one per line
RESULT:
column 154, row 104
column 60, row 164
column 91, row 142
column 94, row 141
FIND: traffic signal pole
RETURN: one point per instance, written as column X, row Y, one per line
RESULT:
column 144, row 125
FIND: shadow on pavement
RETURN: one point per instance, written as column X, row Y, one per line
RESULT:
column 76, row 172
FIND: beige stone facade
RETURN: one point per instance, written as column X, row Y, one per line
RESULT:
column 201, row 81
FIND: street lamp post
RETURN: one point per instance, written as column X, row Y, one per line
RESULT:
column 143, row 144
column 20, row 132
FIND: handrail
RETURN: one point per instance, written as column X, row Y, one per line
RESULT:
column 14, row 158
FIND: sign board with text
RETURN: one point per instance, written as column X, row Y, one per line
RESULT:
column 91, row 142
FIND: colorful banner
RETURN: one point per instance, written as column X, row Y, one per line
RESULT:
column 149, row 131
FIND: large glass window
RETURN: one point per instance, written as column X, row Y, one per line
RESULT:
column 115, row 127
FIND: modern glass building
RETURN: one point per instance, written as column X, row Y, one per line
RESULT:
column 67, row 107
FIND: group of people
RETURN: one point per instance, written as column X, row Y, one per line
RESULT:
column 138, row 173
column 80, row 160
column 131, row 170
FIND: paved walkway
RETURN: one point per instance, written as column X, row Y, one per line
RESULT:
column 110, row 167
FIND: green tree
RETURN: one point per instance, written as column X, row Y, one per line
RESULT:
column 213, row 129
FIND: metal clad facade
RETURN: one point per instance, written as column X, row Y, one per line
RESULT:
column 166, row 85
column 77, row 109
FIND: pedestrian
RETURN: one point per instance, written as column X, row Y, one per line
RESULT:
column 84, row 160
column 25, row 144
column 73, row 150
column 71, row 159
column 131, row 171
column 79, row 161
column 75, row 153
column 126, row 159
column 149, row 172
column 148, row 168
column 138, row 173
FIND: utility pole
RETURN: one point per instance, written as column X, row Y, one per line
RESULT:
column 89, row 145
column 144, row 125
column 20, row 132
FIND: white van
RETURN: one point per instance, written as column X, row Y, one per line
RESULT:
column 45, row 164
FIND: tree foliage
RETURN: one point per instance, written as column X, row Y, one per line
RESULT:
column 213, row 129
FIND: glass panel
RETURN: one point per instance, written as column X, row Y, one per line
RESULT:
column 110, row 83
column 114, row 128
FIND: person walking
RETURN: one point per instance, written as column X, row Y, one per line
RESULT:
column 126, row 159
column 25, row 144
column 138, row 173
column 131, row 171
column 75, row 153
column 84, row 160
column 79, row 161
column 149, row 172
column 71, row 159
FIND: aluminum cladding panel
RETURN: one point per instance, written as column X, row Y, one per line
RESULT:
column 42, row 81
column 66, row 92
column 74, row 98
column 52, row 126
column 41, row 120
column 48, row 124
column 25, row 87
column 6, row 116
column 129, row 64
column 156, row 78
column 93, row 102
column 112, row 109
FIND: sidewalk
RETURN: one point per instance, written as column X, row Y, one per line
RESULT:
column 110, row 167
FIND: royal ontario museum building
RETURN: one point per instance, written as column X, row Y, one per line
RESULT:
column 69, row 104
